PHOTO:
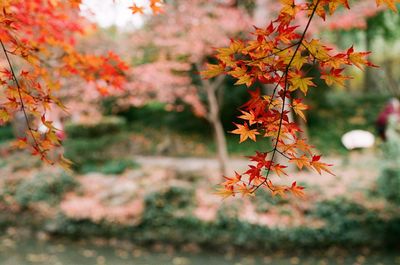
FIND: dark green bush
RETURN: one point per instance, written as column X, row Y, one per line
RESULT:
column 92, row 146
column 389, row 184
column 334, row 113
column 44, row 187
column 107, row 126
column 96, row 151
column 113, row 167
column 6, row 133
column 166, row 202
column 167, row 219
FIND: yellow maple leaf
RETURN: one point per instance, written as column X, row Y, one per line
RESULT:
column 248, row 116
column 289, row 7
column 212, row 70
column 244, row 80
column 299, row 82
column 390, row 3
column 238, row 72
column 4, row 116
column 298, row 108
column 299, row 61
column 300, row 161
column 245, row 132
column 245, row 190
column 225, row 192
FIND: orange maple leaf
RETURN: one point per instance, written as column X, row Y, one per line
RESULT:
column 319, row 166
column 225, row 192
column 136, row 9
column 300, row 161
column 390, row 3
column 212, row 70
column 297, row 190
column 245, row 132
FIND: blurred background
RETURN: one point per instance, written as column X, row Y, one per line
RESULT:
column 145, row 167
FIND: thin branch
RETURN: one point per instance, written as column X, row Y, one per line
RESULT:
column 275, row 150
column 23, row 108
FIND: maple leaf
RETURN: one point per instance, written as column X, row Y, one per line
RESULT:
column 302, row 145
column 245, row 79
column 248, row 116
column 334, row 77
column 299, row 82
column 245, row 190
column 20, row 143
column 136, row 9
column 390, row 3
column 278, row 190
column 298, row 108
column 289, row 7
column 333, row 5
column 238, row 72
column 278, row 169
column 232, row 181
column 253, row 172
column 319, row 166
column 317, row 50
column 235, row 47
column 65, row 163
column 245, row 132
column 4, row 116
column 297, row 190
column 300, row 161
column 225, row 192
column 298, row 61
column 357, row 58
column 212, row 70
column 156, row 6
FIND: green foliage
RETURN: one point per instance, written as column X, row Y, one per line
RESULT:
column 388, row 183
column 154, row 115
column 108, row 125
column 96, row 151
column 334, row 113
column 44, row 187
column 6, row 133
column 352, row 223
column 113, row 167
column 95, row 145
column 168, row 219
column 167, row 203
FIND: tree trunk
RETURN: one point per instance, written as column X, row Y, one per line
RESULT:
column 214, row 119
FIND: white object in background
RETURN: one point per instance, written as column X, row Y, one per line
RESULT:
column 358, row 139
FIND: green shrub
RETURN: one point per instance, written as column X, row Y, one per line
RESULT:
column 44, row 187
column 96, row 151
column 107, row 126
column 334, row 113
column 389, row 184
column 166, row 202
column 92, row 146
column 6, row 133
column 113, row 167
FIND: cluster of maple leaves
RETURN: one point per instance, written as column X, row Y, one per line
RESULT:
column 39, row 50
column 281, row 56
column 156, row 7
column 39, row 37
